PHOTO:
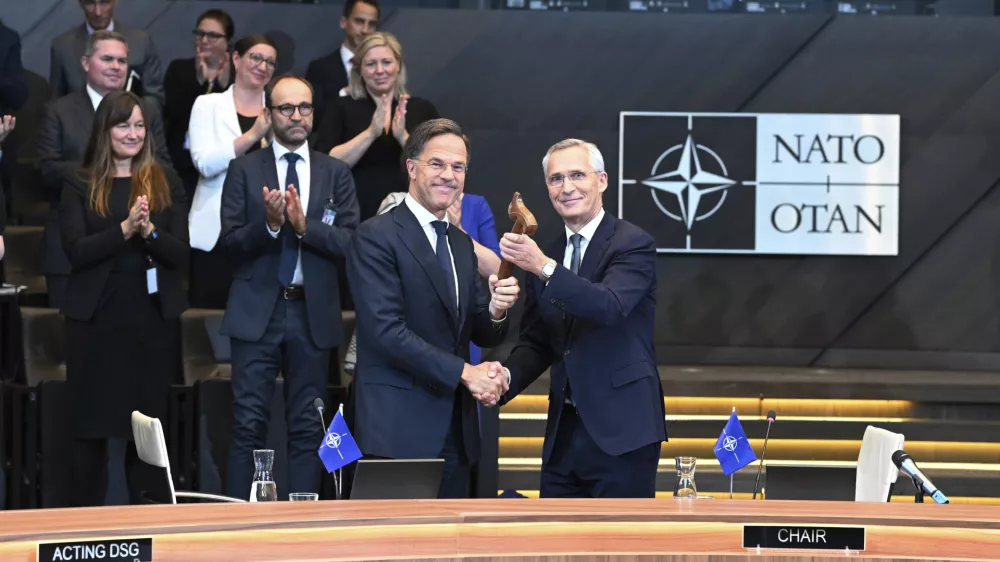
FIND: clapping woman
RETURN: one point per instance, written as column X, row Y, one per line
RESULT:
column 124, row 228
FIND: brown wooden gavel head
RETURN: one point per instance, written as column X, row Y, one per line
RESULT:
column 524, row 223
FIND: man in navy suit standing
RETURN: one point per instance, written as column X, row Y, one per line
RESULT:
column 419, row 300
column 287, row 212
column 590, row 302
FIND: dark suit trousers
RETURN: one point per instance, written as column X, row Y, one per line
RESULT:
column 456, row 477
column 578, row 468
column 285, row 347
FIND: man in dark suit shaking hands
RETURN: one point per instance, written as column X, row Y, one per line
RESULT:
column 590, row 301
column 418, row 301
column 287, row 212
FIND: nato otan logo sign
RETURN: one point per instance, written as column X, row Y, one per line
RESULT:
column 746, row 183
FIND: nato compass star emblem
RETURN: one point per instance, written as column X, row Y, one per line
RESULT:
column 729, row 443
column 333, row 441
column 689, row 182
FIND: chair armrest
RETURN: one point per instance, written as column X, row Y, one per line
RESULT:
column 208, row 497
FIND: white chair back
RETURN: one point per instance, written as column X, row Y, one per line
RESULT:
column 151, row 445
column 876, row 471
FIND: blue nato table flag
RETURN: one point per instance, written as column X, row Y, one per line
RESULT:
column 338, row 448
column 733, row 449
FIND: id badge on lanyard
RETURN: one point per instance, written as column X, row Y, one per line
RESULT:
column 329, row 213
column 151, row 285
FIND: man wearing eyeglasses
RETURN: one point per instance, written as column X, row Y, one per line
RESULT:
column 144, row 73
column 591, row 298
column 287, row 212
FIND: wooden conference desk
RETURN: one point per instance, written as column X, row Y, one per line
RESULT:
column 503, row 529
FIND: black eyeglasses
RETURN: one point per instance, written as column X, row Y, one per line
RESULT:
column 305, row 109
column 259, row 60
column 199, row 34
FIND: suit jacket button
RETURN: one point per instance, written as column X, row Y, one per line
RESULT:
column 566, row 353
column 553, row 301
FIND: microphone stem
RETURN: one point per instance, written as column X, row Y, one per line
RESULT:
column 762, row 454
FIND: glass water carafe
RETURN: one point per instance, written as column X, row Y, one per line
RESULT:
column 685, row 488
column 263, row 488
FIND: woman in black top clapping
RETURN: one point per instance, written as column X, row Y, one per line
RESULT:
column 124, row 228
column 368, row 128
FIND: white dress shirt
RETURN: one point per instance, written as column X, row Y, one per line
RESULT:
column 346, row 55
column 95, row 98
column 587, row 232
column 302, row 169
column 425, row 218
column 91, row 30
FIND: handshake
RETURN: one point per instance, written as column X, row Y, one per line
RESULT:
column 487, row 382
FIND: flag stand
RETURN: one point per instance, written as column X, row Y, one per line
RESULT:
column 731, row 475
column 338, row 477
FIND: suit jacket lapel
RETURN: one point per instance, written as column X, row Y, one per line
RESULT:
column 86, row 112
column 343, row 71
column 229, row 115
column 76, row 75
column 596, row 247
column 592, row 256
column 269, row 168
column 317, row 179
column 463, row 271
column 415, row 240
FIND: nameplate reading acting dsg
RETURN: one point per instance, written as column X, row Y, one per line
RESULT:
column 804, row 537
column 118, row 550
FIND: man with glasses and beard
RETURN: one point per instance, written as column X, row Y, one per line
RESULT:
column 287, row 212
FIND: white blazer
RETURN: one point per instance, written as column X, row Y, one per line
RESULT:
column 211, row 132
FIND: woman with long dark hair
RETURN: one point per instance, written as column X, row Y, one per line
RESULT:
column 124, row 229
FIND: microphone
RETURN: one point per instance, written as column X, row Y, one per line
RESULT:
column 771, row 416
column 904, row 462
column 318, row 404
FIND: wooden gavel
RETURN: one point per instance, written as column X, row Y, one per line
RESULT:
column 524, row 223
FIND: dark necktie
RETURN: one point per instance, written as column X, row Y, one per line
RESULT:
column 574, row 260
column 289, row 241
column 574, row 266
column 444, row 260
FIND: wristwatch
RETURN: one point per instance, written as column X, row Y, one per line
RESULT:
column 547, row 270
